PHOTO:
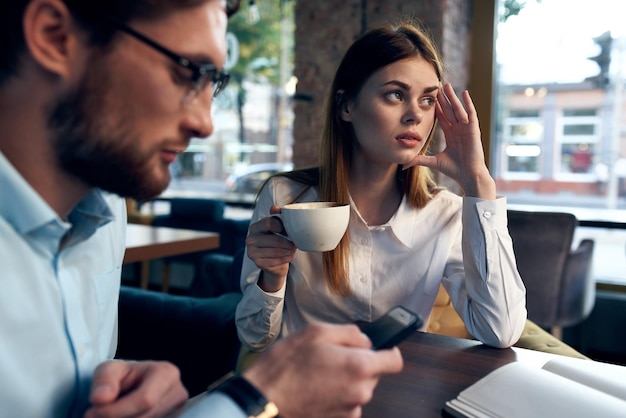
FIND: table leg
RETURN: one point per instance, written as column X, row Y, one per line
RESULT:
column 165, row 284
column 145, row 274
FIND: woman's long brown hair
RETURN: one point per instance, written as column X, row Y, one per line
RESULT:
column 371, row 52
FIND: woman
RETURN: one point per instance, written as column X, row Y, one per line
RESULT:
column 406, row 235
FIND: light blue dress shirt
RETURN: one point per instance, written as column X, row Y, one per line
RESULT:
column 59, row 288
column 216, row 404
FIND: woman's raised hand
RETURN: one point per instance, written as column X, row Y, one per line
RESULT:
column 463, row 158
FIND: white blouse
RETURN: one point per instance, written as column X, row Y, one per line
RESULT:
column 461, row 242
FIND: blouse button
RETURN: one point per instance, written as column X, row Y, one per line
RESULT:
column 487, row 214
column 363, row 279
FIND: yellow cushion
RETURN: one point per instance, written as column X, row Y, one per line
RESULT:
column 444, row 319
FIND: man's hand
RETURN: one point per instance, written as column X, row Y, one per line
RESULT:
column 325, row 371
column 136, row 389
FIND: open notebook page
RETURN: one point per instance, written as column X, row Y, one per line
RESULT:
column 605, row 377
column 519, row 391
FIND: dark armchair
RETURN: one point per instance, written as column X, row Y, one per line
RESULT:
column 204, row 215
column 560, row 290
column 196, row 334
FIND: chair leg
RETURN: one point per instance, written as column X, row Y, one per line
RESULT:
column 557, row 332
column 165, row 284
column 144, row 267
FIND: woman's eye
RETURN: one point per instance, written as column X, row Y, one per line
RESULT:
column 395, row 96
column 428, row 101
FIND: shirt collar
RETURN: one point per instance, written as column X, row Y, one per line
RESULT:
column 401, row 223
column 23, row 208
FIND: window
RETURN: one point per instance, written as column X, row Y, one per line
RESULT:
column 523, row 135
column 578, row 145
column 253, row 116
column 559, row 141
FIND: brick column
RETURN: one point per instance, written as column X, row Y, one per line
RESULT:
column 324, row 31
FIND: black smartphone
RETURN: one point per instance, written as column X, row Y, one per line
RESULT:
column 393, row 327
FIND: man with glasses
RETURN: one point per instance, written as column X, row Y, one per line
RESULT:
column 97, row 98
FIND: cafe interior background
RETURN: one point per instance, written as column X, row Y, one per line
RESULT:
column 547, row 77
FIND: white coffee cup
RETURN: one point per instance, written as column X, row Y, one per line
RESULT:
column 315, row 226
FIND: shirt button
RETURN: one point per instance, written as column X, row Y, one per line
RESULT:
column 487, row 214
column 363, row 279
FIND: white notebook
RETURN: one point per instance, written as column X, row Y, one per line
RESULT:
column 563, row 387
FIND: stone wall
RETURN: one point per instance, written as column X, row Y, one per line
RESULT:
column 325, row 30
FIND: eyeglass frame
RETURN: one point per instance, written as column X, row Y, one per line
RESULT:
column 200, row 73
column 232, row 6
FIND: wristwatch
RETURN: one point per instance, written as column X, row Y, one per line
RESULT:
column 247, row 397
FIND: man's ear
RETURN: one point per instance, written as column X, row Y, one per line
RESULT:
column 50, row 36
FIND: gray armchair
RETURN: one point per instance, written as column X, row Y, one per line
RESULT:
column 560, row 288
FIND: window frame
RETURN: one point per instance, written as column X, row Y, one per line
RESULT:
column 560, row 138
column 508, row 138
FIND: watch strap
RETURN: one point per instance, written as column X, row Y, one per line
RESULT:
column 249, row 399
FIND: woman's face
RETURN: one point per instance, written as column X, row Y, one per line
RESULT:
column 394, row 112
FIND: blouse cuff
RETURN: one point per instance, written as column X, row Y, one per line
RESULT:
column 279, row 294
column 488, row 214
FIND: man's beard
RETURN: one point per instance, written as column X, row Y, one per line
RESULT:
column 99, row 149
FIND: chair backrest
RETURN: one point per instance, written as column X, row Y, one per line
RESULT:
column 542, row 242
column 579, row 295
column 196, row 334
column 233, row 233
column 197, row 209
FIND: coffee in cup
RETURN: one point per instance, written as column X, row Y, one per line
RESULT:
column 315, row 226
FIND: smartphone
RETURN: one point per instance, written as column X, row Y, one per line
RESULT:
column 393, row 327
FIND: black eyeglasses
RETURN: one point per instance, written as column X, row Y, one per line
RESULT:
column 201, row 75
column 232, row 6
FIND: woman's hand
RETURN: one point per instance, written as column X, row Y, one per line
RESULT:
column 270, row 252
column 463, row 158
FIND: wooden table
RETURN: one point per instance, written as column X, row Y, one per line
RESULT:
column 145, row 243
column 436, row 369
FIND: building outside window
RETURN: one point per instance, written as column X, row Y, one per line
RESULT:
column 253, row 116
column 559, row 141
column 523, row 140
column 578, row 145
